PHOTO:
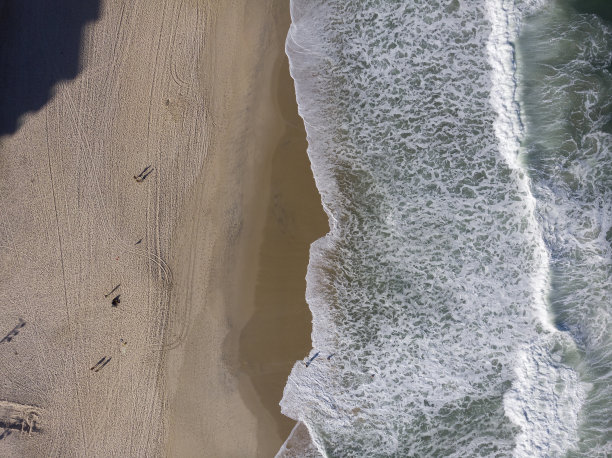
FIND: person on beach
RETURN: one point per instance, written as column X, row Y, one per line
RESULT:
column 312, row 359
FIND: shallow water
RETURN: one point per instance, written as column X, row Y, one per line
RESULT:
column 440, row 291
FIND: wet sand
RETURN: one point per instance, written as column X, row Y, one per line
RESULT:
column 278, row 332
column 209, row 251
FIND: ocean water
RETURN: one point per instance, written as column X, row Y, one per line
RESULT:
column 461, row 300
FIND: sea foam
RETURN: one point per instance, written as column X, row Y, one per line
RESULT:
column 429, row 295
column 546, row 395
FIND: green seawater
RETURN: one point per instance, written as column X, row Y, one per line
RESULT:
column 564, row 58
column 602, row 8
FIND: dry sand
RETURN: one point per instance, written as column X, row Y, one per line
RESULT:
column 190, row 88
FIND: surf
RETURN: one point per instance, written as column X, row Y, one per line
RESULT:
column 432, row 288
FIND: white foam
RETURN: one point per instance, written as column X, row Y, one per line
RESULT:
column 571, row 163
column 545, row 399
column 432, row 282
column 546, row 413
column 299, row 444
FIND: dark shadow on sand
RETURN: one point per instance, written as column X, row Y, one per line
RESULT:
column 40, row 42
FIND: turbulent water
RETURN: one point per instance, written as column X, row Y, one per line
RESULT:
column 461, row 301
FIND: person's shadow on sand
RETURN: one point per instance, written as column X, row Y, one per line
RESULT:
column 40, row 42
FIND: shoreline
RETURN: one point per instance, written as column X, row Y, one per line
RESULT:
column 278, row 332
column 270, row 155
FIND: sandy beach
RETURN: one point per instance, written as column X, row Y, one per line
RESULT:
column 157, row 207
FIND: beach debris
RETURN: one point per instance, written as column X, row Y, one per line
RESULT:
column 28, row 422
column 19, row 417
column 123, row 346
column 116, row 301
column 330, row 356
column 113, row 290
column 100, row 364
column 144, row 174
column 312, row 359
column 13, row 332
column 138, row 243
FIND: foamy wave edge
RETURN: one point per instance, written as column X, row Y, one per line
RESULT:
column 321, row 320
column 548, row 423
